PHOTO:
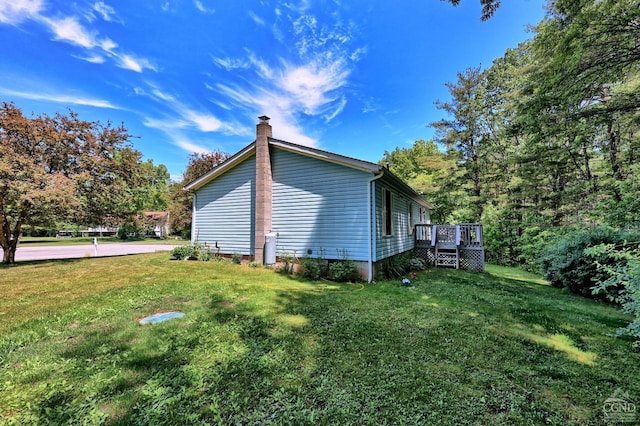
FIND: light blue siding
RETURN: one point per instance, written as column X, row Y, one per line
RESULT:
column 401, row 239
column 319, row 206
column 225, row 211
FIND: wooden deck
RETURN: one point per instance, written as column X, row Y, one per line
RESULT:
column 454, row 246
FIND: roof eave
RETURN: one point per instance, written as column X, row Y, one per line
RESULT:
column 419, row 198
column 354, row 163
column 231, row 162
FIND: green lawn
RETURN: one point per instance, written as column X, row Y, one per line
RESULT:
column 256, row 347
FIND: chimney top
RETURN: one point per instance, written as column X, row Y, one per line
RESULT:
column 264, row 119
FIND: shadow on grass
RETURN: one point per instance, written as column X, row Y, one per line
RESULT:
column 73, row 260
column 457, row 348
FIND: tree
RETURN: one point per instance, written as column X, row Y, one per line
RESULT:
column 61, row 167
column 547, row 137
column 489, row 7
column 463, row 133
column 180, row 206
column 153, row 189
column 425, row 169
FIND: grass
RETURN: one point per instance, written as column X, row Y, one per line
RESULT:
column 256, row 347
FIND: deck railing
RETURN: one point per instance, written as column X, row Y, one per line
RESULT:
column 465, row 240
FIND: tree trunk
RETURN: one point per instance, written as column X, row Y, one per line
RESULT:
column 9, row 240
column 9, row 252
column 614, row 142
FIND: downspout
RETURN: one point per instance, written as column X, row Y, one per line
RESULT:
column 372, row 212
column 193, row 219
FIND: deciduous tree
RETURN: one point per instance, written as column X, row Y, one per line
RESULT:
column 61, row 167
column 182, row 201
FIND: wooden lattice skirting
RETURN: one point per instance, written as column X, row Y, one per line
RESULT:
column 428, row 254
column 470, row 259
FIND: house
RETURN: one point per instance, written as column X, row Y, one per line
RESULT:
column 159, row 223
column 304, row 201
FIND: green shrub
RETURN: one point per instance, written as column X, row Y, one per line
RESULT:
column 396, row 266
column 624, row 278
column 343, row 271
column 193, row 252
column 314, row 268
column 126, row 231
column 253, row 264
column 565, row 264
column 182, row 253
column 204, row 254
column 219, row 259
column 416, row 264
column 288, row 261
column 236, row 258
column 531, row 244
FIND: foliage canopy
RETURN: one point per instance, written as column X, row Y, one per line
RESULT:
column 62, row 167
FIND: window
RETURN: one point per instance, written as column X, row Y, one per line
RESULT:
column 386, row 212
column 423, row 215
column 410, row 220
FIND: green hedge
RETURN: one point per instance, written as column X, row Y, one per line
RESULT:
column 565, row 264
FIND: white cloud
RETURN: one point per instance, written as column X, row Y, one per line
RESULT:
column 280, row 107
column 277, row 33
column 132, row 63
column 370, row 105
column 312, row 85
column 202, row 8
column 165, row 97
column 294, row 90
column 204, row 122
column 288, row 129
column 338, row 109
column 191, row 147
column 15, row 11
column 222, row 105
column 258, row 20
column 358, row 53
column 165, row 124
column 58, row 98
column 166, row 6
column 298, row 7
column 264, row 71
column 94, row 59
column 230, row 64
column 239, row 97
column 105, row 11
column 108, row 45
column 70, row 30
column 183, row 117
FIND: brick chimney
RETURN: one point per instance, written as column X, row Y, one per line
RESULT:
column 263, row 187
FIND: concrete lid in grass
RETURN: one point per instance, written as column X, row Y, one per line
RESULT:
column 160, row 317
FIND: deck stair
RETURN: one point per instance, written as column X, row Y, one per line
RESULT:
column 453, row 246
column 446, row 245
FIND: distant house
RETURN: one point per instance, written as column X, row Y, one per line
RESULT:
column 159, row 222
column 99, row 231
column 311, row 202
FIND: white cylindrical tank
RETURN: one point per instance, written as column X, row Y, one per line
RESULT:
column 270, row 249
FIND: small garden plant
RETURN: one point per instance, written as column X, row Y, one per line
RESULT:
column 399, row 265
column 193, row 252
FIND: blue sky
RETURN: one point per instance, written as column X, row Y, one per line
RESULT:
column 353, row 77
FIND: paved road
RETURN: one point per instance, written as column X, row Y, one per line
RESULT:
column 87, row 250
